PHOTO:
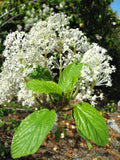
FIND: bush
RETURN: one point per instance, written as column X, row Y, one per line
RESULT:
column 95, row 18
column 53, row 45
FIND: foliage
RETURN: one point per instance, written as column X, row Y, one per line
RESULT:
column 114, row 50
column 95, row 18
column 34, row 128
column 11, row 107
column 110, row 107
column 19, row 15
column 3, row 150
column 100, row 24
column 82, row 113
column 58, row 64
column 10, row 124
column 41, row 74
column 31, row 132
column 51, row 45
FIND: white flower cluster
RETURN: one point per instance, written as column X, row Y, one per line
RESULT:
column 32, row 17
column 53, row 45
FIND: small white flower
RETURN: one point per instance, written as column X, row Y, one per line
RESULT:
column 101, row 96
column 98, row 37
column 114, row 23
column 62, row 135
column 94, row 98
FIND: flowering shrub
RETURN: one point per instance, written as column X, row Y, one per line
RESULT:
column 49, row 66
column 53, row 45
column 34, row 128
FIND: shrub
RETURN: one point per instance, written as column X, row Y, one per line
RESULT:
column 49, row 66
column 53, row 45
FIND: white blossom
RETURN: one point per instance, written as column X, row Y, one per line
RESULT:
column 53, row 43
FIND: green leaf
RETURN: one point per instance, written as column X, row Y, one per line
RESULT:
column 89, row 145
column 70, row 76
column 32, row 132
column 56, row 97
column 41, row 73
column 44, row 87
column 88, row 142
column 91, row 124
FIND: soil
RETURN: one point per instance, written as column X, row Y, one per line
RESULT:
column 70, row 146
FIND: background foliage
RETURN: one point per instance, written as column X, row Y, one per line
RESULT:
column 95, row 18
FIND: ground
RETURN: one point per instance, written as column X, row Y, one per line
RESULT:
column 70, row 146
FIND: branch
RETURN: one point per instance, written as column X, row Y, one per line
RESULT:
column 9, row 20
column 10, row 11
column 34, row 1
column 65, row 110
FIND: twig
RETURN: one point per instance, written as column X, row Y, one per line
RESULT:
column 18, row 109
column 9, row 20
column 34, row 1
column 10, row 11
column 65, row 110
column 39, row 101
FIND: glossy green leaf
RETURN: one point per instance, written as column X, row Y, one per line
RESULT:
column 44, row 87
column 32, row 132
column 70, row 76
column 91, row 124
column 41, row 73
column 88, row 142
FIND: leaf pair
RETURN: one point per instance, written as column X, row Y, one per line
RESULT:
column 66, row 83
column 34, row 128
